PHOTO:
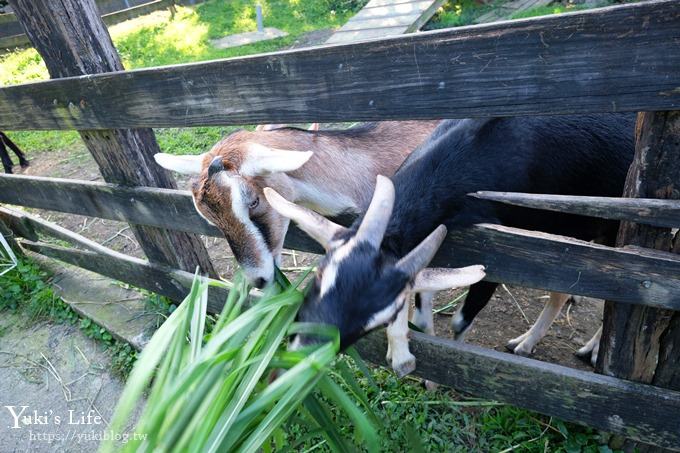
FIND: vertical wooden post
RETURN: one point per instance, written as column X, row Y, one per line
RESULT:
column 73, row 40
column 642, row 343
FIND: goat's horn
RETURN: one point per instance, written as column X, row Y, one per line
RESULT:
column 318, row 227
column 374, row 224
column 421, row 256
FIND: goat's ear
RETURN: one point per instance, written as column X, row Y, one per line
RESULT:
column 313, row 127
column 262, row 160
column 438, row 279
column 188, row 165
column 268, row 127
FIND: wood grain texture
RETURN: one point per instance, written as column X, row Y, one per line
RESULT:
column 649, row 211
column 513, row 256
column 642, row 343
column 639, row 411
column 73, row 40
column 621, row 58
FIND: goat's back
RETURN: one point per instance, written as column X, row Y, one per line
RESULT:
column 570, row 155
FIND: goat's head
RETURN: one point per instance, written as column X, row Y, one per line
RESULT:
column 228, row 194
column 358, row 286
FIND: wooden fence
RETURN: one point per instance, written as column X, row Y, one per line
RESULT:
column 12, row 35
column 622, row 58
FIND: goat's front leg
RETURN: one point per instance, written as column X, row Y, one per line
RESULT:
column 524, row 344
column 398, row 354
column 422, row 314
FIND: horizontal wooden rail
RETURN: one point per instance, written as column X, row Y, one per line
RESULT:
column 620, row 58
column 172, row 283
column 637, row 411
column 650, row 211
column 511, row 255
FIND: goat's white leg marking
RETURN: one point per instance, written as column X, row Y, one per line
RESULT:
column 592, row 348
column 457, row 324
column 422, row 317
column 524, row 344
column 402, row 361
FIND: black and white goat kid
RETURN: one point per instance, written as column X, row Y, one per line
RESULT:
column 371, row 267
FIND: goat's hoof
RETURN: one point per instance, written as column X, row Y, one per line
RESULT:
column 523, row 349
column 588, row 354
column 430, row 386
column 24, row 164
column 515, row 342
column 584, row 353
column 404, row 367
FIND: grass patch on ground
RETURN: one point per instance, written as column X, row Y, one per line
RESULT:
column 161, row 38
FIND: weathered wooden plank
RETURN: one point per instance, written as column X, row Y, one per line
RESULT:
column 639, row 411
column 35, row 225
column 9, row 237
column 20, row 39
column 425, row 16
column 378, row 3
column 506, row 10
column 621, row 58
column 7, row 18
column 649, row 211
column 8, row 42
column 514, row 256
column 539, row 260
column 343, row 36
column 17, row 222
column 392, row 8
column 136, row 11
column 392, row 21
column 172, row 283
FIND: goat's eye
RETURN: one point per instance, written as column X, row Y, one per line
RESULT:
column 253, row 204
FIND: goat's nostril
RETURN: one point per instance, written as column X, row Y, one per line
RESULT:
column 259, row 282
column 215, row 166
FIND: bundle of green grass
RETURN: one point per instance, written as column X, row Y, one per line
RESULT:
column 215, row 392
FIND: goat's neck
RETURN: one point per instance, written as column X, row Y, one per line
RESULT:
column 340, row 176
column 312, row 193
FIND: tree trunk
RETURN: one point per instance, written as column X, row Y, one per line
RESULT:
column 642, row 343
column 73, row 40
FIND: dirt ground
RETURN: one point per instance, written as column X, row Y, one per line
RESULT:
column 58, row 379
column 509, row 313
